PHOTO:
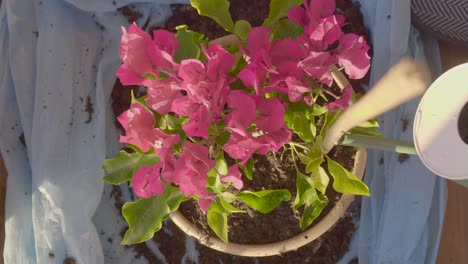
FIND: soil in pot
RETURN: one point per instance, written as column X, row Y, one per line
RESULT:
column 173, row 243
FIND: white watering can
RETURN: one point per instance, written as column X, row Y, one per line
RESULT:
column 440, row 130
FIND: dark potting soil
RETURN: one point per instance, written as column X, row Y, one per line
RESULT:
column 328, row 248
column 270, row 172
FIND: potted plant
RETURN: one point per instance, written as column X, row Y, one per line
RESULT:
column 211, row 107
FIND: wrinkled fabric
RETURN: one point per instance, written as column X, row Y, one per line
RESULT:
column 402, row 220
column 59, row 58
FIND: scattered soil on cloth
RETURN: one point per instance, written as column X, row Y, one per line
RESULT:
column 69, row 260
column 89, row 109
column 331, row 246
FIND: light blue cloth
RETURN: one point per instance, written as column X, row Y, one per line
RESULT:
column 402, row 221
column 55, row 56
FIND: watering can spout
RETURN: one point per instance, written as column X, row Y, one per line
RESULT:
column 403, row 82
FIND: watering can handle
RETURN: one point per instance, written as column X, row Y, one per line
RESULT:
column 403, row 82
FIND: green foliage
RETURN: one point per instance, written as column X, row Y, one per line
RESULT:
column 123, row 166
column 221, row 165
column 217, row 217
column 223, row 138
column 248, row 168
column 320, row 179
column 189, row 43
column 214, row 182
column 368, row 128
column 308, row 197
column 287, row 29
column 312, row 211
column 345, row 181
column 145, row 216
column 170, row 123
column 218, row 10
column 242, row 29
column 330, row 118
column 305, row 191
column 264, row 201
column 279, row 9
column 217, row 221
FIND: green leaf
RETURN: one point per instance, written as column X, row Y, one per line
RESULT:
column 242, row 28
column 370, row 123
column 345, row 181
column 169, row 122
column 123, row 166
column 330, row 118
column 228, row 197
column 217, row 221
column 214, row 182
column 218, row 10
column 320, row 179
column 228, row 207
column 366, row 131
column 313, row 128
column 305, row 191
column 264, row 201
column 221, row 165
column 287, row 29
column 223, row 138
column 318, row 110
column 314, row 164
column 248, row 168
column 145, row 216
column 189, row 44
column 279, row 9
column 301, row 126
column 304, row 158
column 312, row 211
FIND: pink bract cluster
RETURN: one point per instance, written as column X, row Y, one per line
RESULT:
column 200, row 91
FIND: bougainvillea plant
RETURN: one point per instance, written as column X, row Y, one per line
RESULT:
column 207, row 104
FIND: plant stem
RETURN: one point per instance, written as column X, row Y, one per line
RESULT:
column 294, row 157
column 378, row 143
column 295, row 144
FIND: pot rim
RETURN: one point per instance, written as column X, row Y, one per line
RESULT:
column 271, row 249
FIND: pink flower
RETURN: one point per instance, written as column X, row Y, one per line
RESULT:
column 134, row 49
column 220, row 61
column 242, row 113
column 253, row 75
column 162, row 50
column 240, row 147
column 183, row 106
column 296, row 89
column 234, row 176
column 199, row 123
column 273, row 141
column 143, row 57
column 147, row 181
column 139, row 131
column 317, row 65
column 258, row 40
column 162, row 94
column 327, row 32
column 286, row 50
column 352, row 55
column 207, row 83
column 191, row 171
column 343, row 102
column 259, row 62
column 270, row 114
column 311, row 13
column 138, row 124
